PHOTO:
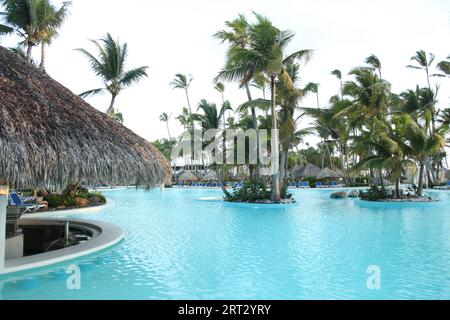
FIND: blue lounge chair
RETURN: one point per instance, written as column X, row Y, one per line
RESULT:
column 14, row 200
column 335, row 185
column 448, row 185
column 300, row 184
column 319, row 185
column 306, row 185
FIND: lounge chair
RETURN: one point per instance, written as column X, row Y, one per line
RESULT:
column 14, row 200
column 306, row 185
column 319, row 185
column 300, row 184
column 292, row 185
column 334, row 184
column 448, row 185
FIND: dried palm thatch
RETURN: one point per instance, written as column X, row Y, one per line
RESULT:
column 188, row 176
column 306, row 171
column 327, row 173
column 49, row 136
column 210, row 176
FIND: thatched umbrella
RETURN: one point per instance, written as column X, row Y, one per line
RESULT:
column 327, row 173
column 210, row 176
column 188, row 176
column 50, row 136
column 309, row 170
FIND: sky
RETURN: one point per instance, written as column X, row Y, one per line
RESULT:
column 175, row 36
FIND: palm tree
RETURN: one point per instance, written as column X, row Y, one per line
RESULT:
column 51, row 20
column 375, row 63
column 164, row 117
column 185, row 119
column 424, row 62
column 116, row 115
column 35, row 21
column 444, row 66
column 183, row 82
column 110, row 67
column 220, row 87
column 338, row 74
column 264, row 54
column 313, row 88
column 22, row 17
column 211, row 120
column 423, row 146
column 237, row 36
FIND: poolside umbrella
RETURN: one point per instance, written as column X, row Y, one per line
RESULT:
column 188, row 176
column 210, row 176
column 327, row 173
column 50, row 136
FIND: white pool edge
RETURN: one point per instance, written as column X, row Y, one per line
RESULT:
column 110, row 236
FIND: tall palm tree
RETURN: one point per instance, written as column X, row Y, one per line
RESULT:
column 23, row 17
column 264, row 54
column 185, row 119
column 164, row 117
column 338, row 74
column 51, row 20
column 423, row 146
column 423, row 62
column 444, row 66
column 183, row 82
column 109, row 65
column 211, row 119
column 375, row 63
column 220, row 88
column 313, row 88
column 236, row 35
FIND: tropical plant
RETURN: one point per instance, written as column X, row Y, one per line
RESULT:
column 183, row 82
column 164, row 117
column 35, row 21
column 265, row 53
column 110, row 67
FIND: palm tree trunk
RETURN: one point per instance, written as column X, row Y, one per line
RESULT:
column 168, row 131
column 29, row 51
column 383, row 187
column 397, row 188
column 111, row 106
column 276, row 190
column 188, row 102
column 42, row 65
column 219, row 178
column 255, row 173
column 421, row 178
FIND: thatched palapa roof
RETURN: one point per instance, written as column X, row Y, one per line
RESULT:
column 309, row 170
column 210, row 176
column 50, row 136
column 188, row 176
column 327, row 173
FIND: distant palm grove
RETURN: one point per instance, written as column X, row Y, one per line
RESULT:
column 365, row 130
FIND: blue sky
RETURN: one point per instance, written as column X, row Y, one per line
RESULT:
column 176, row 37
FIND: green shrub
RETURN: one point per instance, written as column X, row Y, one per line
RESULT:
column 56, row 200
column 252, row 191
column 374, row 195
column 96, row 198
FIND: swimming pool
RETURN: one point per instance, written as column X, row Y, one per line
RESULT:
column 180, row 247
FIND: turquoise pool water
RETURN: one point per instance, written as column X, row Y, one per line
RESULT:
column 179, row 247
